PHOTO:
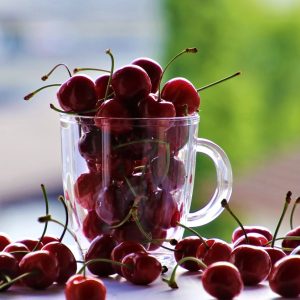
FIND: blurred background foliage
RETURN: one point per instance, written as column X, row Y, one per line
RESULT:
column 257, row 114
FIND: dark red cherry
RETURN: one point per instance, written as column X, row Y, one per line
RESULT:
column 255, row 239
column 182, row 94
column 158, row 235
column 81, row 287
column 101, row 86
column 31, row 244
column 124, row 248
column 143, row 269
column 284, row 279
column 101, row 247
column 43, row 266
column 4, row 240
column 77, row 94
column 153, row 69
column 188, row 247
column 46, row 239
column 87, row 188
column 222, row 280
column 253, row 262
column 67, row 265
column 131, row 83
column 238, row 232
column 93, row 225
column 291, row 244
column 177, row 136
column 9, row 266
column 275, row 254
column 18, row 250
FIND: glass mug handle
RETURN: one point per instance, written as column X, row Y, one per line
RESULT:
column 224, row 184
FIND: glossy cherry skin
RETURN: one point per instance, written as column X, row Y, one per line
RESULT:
column 217, row 250
column 67, row 265
column 9, row 266
column 20, row 250
column 177, row 136
column 101, row 247
column 253, row 262
column 144, row 268
column 44, row 268
column 131, row 83
column 31, row 244
column 101, row 85
column 80, row 287
column 77, row 94
column 123, row 249
column 275, row 254
column 254, row 239
column 159, row 235
column 285, row 277
column 238, row 232
column 222, row 280
column 183, row 94
column 292, row 244
column 188, row 247
column 153, row 69
column 48, row 239
column 93, row 225
column 4, row 240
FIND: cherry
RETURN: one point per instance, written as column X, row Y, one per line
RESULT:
column 290, row 243
column 144, row 268
column 77, row 94
column 43, row 269
column 4, row 240
column 188, row 247
column 131, row 83
column 285, row 277
column 123, row 249
column 182, row 94
column 158, row 238
column 46, row 239
column 222, row 280
column 275, row 254
column 101, row 86
column 80, row 287
column 65, row 258
column 87, row 188
column 238, row 232
column 17, row 250
column 253, row 238
column 253, row 262
column 177, row 136
column 93, row 225
column 32, row 244
column 9, row 267
column 101, row 247
column 153, row 69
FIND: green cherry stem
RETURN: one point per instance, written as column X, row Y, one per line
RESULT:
column 45, row 77
column 12, row 281
column 286, row 204
column 108, row 51
column 172, row 280
column 63, row 202
column 30, row 95
column 53, row 107
column 293, row 211
column 218, row 81
column 224, row 204
column 76, row 70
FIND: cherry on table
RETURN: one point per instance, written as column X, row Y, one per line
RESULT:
column 238, row 232
column 32, row 244
column 289, row 243
column 17, row 250
column 4, row 240
column 253, row 238
column 46, row 239
column 9, row 267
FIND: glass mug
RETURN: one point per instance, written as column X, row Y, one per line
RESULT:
column 133, row 178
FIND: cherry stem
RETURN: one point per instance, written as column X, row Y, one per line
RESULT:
column 224, row 204
column 148, row 236
column 76, row 70
column 172, row 280
column 108, row 51
column 12, row 281
column 47, row 212
column 45, row 77
column 194, row 232
column 286, row 204
column 290, row 238
column 293, row 211
column 217, row 82
column 30, row 95
column 52, row 106
column 105, row 260
column 187, row 50
column 62, row 200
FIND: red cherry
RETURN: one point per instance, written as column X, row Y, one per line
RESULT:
column 101, row 247
column 253, row 262
column 275, row 254
column 131, row 83
column 31, row 244
column 182, row 94
column 101, row 86
column 255, row 239
column 66, row 261
column 188, row 247
column 77, row 94
column 9, row 266
column 123, row 249
column 44, row 269
column 19, row 250
column 46, row 239
column 222, row 280
column 159, row 235
column 81, row 287
column 238, row 232
column 143, row 269
column 177, row 136
column 153, row 69
column 292, row 244
column 285, row 277
column 4, row 240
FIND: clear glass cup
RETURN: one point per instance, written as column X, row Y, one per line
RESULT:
column 133, row 178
